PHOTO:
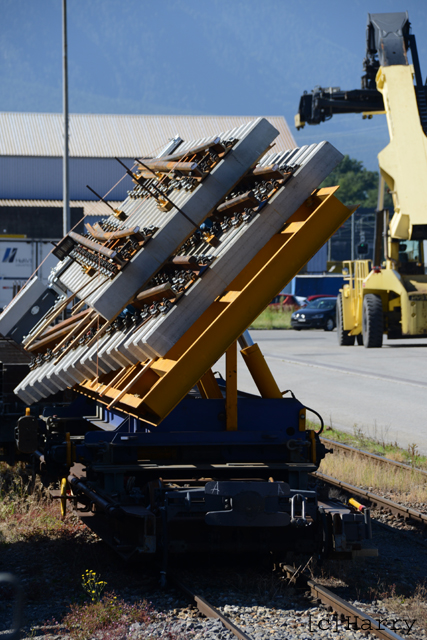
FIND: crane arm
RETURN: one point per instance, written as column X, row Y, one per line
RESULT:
column 388, row 87
column 387, row 43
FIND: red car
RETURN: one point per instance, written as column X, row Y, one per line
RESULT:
column 287, row 300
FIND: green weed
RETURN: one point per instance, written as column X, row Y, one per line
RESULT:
column 273, row 319
column 93, row 585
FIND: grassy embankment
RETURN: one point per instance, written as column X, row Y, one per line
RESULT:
column 409, row 485
column 273, row 319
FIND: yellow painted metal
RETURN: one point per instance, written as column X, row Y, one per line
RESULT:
column 120, row 393
column 162, row 366
column 369, row 114
column 400, row 226
column 27, row 411
column 64, row 484
column 352, row 294
column 299, row 124
column 403, row 165
column 403, row 162
column 356, row 505
column 231, row 387
column 13, row 235
column 408, row 292
column 116, row 380
column 223, row 322
column 260, row 372
column 229, row 296
column 302, row 420
column 209, row 387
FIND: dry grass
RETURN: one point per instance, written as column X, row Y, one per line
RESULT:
column 412, row 607
column 274, row 319
column 377, row 443
column 365, row 472
column 27, row 512
column 402, row 600
column 107, row 619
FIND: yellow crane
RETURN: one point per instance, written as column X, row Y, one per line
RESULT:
column 391, row 297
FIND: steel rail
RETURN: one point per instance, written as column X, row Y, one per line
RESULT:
column 208, row 610
column 348, row 449
column 343, row 608
column 374, row 499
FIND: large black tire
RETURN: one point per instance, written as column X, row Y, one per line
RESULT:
column 359, row 339
column 372, row 321
column 344, row 339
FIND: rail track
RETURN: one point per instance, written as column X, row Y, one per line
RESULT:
column 345, row 448
column 402, row 511
column 209, row 610
column 344, row 610
column 346, row 614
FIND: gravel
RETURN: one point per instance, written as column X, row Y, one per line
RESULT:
column 265, row 607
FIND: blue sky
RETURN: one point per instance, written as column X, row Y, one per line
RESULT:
column 237, row 57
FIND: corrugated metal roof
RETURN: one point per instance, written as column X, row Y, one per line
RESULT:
column 105, row 136
column 90, row 208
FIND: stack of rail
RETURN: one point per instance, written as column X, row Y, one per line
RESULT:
column 146, row 274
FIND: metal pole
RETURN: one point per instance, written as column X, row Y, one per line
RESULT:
column 65, row 197
column 379, row 223
column 380, row 199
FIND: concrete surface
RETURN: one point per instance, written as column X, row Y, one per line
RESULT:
column 381, row 391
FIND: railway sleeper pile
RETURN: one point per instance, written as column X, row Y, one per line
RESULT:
column 147, row 272
column 159, row 290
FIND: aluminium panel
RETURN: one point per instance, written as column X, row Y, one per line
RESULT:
column 109, row 297
column 107, row 136
column 315, row 163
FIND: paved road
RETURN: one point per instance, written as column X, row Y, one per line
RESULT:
column 381, row 391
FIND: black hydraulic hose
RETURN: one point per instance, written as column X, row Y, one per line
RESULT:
column 322, row 424
column 289, row 391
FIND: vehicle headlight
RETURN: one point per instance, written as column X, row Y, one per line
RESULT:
column 303, row 315
column 295, row 315
column 317, row 316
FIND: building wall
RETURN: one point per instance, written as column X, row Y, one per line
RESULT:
column 38, row 222
column 19, row 260
column 38, row 178
column 317, row 264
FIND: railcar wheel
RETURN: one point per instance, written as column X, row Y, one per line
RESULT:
column 372, row 321
column 344, row 339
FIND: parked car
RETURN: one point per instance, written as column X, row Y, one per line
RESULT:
column 287, row 300
column 317, row 314
column 320, row 295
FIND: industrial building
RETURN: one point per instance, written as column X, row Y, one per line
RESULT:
column 31, row 148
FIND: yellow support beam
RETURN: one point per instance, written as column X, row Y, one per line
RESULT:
column 260, row 372
column 209, row 387
column 302, row 420
column 403, row 162
column 153, row 397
